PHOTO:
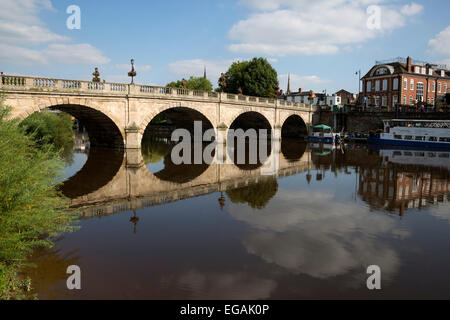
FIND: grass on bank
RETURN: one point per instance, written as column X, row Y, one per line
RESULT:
column 31, row 210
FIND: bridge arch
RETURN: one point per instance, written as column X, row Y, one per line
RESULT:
column 250, row 120
column 198, row 111
column 294, row 126
column 103, row 129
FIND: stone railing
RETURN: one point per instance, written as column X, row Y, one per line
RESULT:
column 18, row 83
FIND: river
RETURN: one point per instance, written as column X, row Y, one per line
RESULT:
column 308, row 231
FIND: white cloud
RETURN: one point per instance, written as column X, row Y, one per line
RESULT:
column 195, row 67
column 412, row 9
column 300, row 27
column 22, row 34
column 11, row 32
column 312, row 233
column 440, row 44
column 304, row 82
column 83, row 54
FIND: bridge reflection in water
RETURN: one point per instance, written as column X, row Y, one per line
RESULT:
column 308, row 231
column 108, row 184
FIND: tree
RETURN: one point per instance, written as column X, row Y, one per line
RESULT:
column 31, row 210
column 255, row 78
column 194, row 83
column 257, row 195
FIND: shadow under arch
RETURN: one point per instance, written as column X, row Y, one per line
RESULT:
column 100, row 168
column 102, row 130
column 165, row 122
column 294, row 127
column 293, row 149
column 157, row 145
column 246, row 121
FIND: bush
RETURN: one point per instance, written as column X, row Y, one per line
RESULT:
column 31, row 210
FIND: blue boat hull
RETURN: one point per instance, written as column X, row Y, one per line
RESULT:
column 410, row 143
column 322, row 140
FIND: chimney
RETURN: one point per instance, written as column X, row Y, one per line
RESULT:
column 300, row 90
column 409, row 64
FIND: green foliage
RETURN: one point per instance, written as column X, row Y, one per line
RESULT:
column 31, row 210
column 257, row 195
column 255, row 78
column 193, row 83
column 49, row 128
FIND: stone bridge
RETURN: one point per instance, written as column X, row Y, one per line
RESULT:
column 117, row 114
column 128, row 186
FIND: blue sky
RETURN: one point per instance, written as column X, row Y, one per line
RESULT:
column 320, row 43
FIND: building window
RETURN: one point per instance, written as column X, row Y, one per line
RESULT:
column 395, row 84
column 404, row 100
column 411, row 100
column 405, row 84
column 430, row 72
column 434, row 86
column 377, row 85
column 411, row 86
column 428, row 100
column 417, row 69
column 439, row 87
column 369, row 86
column 384, row 101
column 445, row 88
column 385, row 87
column 419, row 91
column 424, row 70
column 432, row 101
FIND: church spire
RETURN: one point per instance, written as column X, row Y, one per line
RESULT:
column 289, row 84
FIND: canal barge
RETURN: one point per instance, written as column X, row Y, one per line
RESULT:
column 414, row 133
column 324, row 134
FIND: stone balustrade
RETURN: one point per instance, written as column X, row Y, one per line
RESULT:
column 19, row 83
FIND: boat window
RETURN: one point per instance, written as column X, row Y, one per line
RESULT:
column 409, row 154
column 408, row 137
column 444, row 155
column 420, row 138
column 398, row 136
column 432, row 139
column 419, row 154
column 444, row 139
column 397, row 153
column 431, row 155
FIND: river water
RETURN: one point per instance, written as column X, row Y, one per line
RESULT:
column 162, row 231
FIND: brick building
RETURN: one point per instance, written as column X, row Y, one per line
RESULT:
column 347, row 98
column 404, row 82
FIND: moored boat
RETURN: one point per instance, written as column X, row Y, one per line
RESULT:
column 324, row 134
column 418, row 133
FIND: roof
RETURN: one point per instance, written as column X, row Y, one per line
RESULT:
column 402, row 68
column 322, row 126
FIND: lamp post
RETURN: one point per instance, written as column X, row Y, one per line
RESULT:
column 358, row 73
column 132, row 73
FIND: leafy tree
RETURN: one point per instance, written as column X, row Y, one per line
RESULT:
column 255, row 78
column 50, row 128
column 257, row 195
column 193, row 83
column 31, row 210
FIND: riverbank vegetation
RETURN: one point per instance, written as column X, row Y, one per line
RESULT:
column 32, row 212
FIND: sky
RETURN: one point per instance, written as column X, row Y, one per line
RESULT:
column 320, row 43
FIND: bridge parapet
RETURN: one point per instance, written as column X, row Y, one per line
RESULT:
column 78, row 87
